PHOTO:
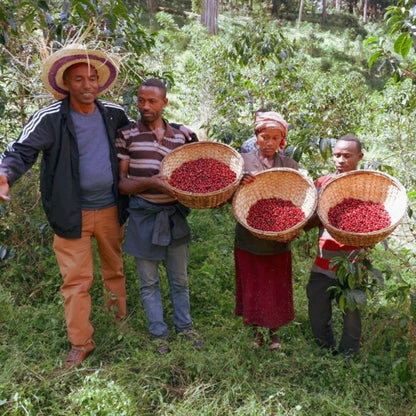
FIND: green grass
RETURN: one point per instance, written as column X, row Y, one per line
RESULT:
column 124, row 376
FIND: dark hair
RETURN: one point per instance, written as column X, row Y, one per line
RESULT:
column 348, row 138
column 154, row 82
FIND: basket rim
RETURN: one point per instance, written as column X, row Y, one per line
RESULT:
column 388, row 229
column 204, row 144
column 299, row 225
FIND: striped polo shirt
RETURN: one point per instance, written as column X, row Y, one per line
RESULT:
column 139, row 146
column 328, row 247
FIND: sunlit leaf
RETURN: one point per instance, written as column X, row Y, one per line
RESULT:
column 374, row 57
column 398, row 44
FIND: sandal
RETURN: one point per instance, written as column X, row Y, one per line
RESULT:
column 161, row 347
column 258, row 340
column 275, row 346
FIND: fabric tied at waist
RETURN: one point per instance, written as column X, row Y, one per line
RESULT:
column 153, row 227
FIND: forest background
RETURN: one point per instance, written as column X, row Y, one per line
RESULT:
column 331, row 68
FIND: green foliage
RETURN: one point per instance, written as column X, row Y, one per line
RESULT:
column 354, row 280
column 401, row 18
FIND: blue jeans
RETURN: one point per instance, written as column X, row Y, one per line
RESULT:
column 176, row 264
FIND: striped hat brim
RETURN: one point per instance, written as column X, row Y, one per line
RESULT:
column 55, row 65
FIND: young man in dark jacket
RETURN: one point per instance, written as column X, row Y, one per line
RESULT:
column 79, row 182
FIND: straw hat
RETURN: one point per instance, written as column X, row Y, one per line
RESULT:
column 55, row 65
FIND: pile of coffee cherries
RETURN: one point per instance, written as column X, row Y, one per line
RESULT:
column 202, row 176
column 357, row 216
column 274, row 214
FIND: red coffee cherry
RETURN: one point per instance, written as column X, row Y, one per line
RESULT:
column 202, row 176
column 274, row 214
column 357, row 216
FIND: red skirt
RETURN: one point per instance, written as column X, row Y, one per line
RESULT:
column 264, row 291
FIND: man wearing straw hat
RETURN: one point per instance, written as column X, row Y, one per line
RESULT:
column 157, row 229
column 346, row 156
column 79, row 182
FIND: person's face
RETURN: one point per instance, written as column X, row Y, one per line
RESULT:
column 346, row 156
column 269, row 140
column 151, row 103
column 82, row 83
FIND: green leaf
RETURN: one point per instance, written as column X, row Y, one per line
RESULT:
column 397, row 77
column 360, row 298
column 120, row 10
column 350, row 301
column 83, row 14
column 406, row 47
column 88, row 4
column 352, row 281
column 342, row 302
column 370, row 41
column 374, row 57
column 398, row 44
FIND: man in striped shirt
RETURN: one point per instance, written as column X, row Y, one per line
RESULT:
column 157, row 229
column 346, row 156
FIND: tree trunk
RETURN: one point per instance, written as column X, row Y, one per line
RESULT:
column 210, row 15
column 338, row 5
column 324, row 14
column 301, row 3
column 365, row 11
column 150, row 7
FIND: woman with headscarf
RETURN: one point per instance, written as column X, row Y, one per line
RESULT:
column 264, row 294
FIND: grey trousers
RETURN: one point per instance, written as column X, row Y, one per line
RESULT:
column 320, row 316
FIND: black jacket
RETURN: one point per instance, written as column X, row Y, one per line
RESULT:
column 51, row 131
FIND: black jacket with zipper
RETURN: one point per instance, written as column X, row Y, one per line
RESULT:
column 50, row 131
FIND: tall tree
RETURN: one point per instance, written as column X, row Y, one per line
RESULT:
column 209, row 16
column 365, row 9
column 301, row 4
column 324, row 14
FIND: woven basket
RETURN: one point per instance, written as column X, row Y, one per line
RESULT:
column 366, row 185
column 194, row 151
column 285, row 183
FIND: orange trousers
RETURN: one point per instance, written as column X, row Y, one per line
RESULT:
column 75, row 259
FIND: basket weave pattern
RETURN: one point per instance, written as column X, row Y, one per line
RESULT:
column 206, row 149
column 283, row 183
column 365, row 185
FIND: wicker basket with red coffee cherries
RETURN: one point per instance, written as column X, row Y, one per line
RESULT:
column 276, row 205
column 362, row 207
column 203, row 174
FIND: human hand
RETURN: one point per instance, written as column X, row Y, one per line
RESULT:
column 160, row 182
column 4, row 188
column 186, row 132
column 248, row 178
